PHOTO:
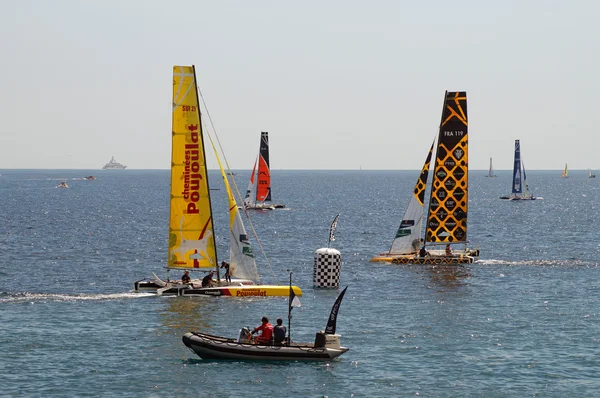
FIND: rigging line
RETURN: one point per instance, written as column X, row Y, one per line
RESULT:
column 260, row 245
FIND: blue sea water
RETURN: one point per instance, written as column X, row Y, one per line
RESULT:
column 524, row 321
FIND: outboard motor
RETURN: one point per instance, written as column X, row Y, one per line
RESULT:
column 326, row 340
column 245, row 336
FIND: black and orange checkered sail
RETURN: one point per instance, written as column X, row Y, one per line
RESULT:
column 447, row 216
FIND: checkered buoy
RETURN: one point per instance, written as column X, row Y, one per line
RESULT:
column 327, row 268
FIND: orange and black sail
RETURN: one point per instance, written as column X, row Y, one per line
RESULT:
column 263, row 189
column 447, row 218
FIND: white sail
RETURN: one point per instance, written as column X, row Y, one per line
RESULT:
column 241, row 258
column 491, row 171
column 526, row 193
column 250, row 198
column 408, row 236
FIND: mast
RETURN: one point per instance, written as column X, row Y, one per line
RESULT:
column 214, row 240
column 290, row 312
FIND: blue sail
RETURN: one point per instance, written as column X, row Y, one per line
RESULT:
column 516, row 186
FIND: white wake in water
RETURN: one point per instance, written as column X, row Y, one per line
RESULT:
column 540, row 263
column 45, row 297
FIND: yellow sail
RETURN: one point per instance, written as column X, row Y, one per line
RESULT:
column 191, row 234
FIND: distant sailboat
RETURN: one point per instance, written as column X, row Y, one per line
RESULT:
column 565, row 173
column 491, row 171
column 592, row 175
column 259, row 187
column 520, row 188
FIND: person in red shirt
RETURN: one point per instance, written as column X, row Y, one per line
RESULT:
column 266, row 330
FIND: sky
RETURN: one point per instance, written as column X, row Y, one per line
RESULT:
column 337, row 84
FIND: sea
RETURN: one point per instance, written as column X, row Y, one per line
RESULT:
column 522, row 322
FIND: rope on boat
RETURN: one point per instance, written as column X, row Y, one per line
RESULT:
column 232, row 343
column 239, row 195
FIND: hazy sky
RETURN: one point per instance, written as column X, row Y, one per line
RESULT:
column 337, row 84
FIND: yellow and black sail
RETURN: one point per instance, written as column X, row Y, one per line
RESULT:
column 448, row 203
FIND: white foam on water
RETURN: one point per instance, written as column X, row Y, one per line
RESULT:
column 44, row 297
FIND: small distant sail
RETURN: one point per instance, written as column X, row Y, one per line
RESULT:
column 332, row 230
column 491, row 170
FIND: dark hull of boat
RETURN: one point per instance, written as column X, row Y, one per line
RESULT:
column 434, row 257
column 518, row 197
column 433, row 260
column 147, row 286
column 214, row 347
column 265, row 207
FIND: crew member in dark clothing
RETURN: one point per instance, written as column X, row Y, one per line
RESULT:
column 186, row 277
column 207, row 280
column 225, row 264
column 279, row 332
column 423, row 252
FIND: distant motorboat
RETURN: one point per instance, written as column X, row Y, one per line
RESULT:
column 114, row 165
column 91, row 178
column 63, row 184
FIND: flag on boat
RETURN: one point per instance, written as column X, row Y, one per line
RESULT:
column 294, row 300
column 332, row 228
column 331, row 322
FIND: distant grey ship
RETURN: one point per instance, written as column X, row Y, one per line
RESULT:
column 114, row 165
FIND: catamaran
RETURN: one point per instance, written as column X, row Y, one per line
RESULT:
column 448, row 202
column 491, row 170
column 259, row 187
column 192, row 244
column 520, row 188
column 565, row 173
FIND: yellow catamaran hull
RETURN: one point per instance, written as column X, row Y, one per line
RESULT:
column 430, row 260
column 234, row 291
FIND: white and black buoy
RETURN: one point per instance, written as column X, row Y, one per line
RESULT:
column 328, row 263
column 327, row 268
